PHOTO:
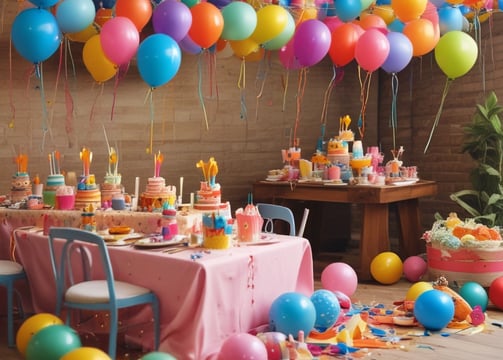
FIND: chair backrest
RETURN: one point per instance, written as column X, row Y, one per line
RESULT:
column 75, row 251
column 271, row 212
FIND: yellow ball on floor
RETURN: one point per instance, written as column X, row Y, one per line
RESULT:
column 386, row 268
column 417, row 289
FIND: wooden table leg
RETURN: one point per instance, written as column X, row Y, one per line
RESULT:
column 374, row 236
column 409, row 222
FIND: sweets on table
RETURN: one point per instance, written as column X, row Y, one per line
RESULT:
column 157, row 192
column 88, row 192
column 54, row 180
column 111, row 185
column 21, row 183
column 209, row 196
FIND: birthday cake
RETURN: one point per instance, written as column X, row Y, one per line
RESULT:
column 88, row 192
column 338, row 151
column 345, row 133
column 112, row 181
column 21, row 183
column 53, row 182
column 156, row 194
column 209, row 196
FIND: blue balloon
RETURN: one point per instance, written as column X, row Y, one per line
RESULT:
column 327, row 309
column 159, row 58
column 434, row 309
column 75, row 15
column 35, row 34
column 400, row 52
column 450, row 19
column 348, row 10
column 396, row 26
column 44, row 4
column 292, row 312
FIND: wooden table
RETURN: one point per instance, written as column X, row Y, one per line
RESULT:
column 375, row 201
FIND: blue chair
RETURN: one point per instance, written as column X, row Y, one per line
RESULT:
column 10, row 272
column 84, row 292
column 271, row 212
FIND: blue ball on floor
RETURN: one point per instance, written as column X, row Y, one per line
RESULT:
column 434, row 309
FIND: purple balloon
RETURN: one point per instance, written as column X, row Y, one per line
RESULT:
column 400, row 52
column 173, row 18
column 189, row 46
column 311, row 42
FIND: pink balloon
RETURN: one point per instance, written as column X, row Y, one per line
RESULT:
column 372, row 49
column 242, row 346
column 333, row 22
column 287, row 57
column 119, row 39
column 341, row 277
column 414, row 267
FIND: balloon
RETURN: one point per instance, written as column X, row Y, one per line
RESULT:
column 35, row 34
column 87, row 353
column 286, row 35
column 240, row 20
column 84, row 35
column 417, row 289
column 333, row 22
column 385, row 12
column 496, row 292
column 255, row 56
column 44, row 3
column 275, row 344
column 343, row 44
column 456, row 53
column 407, row 10
column 386, row 268
column 189, row 46
column 52, row 342
column 311, row 42
column 341, row 277
column 138, row 11
column 31, row 326
column 75, row 15
column 292, row 312
column 422, row 35
column 348, row 10
column 450, row 19
column 396, row 25
column 157, row 355
column 242, row 346
column 474, row 294
column 102, row 16
column 190, row 3
column 287, row 58
column 207, row 24
column 119, row 40
column 372, row 49
column 242, row 48
column 159, row 58
column 271, row 21
column 414, row 267
column 95, row 61
column 400, row 54
column 434, row 309
column 327, row 309
column 370, row 21
column 172, row 18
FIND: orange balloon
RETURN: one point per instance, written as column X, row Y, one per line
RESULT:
column 408, row 10
column 255, row 56
column 422, row 35
column 343, row 44
column 207, row 24
column 102, row 16
column 138, row 11
column 369, row 21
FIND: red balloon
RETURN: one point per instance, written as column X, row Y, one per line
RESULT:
column 138, row 11
column 207, row 24
column 496, row 292
column 342, row 46
column 372, row 49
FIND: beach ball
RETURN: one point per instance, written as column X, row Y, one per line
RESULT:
column 496, row 292
column 242, row 346
column 341, row 277
column 156, row 355
column 414, row 268
column 386, row 268
column 327, row 309
column 292, row 312
column 474, row 294
column 52, row 342
column 88, row 353
column 31, row 326
column 434, row 309
column 417, row 289
column 275, row 344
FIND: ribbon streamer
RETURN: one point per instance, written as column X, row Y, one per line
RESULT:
column 263, row 69
column 242, row 88
column 301, row 86
column 337, row 77
column 200, row 89
column 364, row 96
column 448, row 83
column 394, row 118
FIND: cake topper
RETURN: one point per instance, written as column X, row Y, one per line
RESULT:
column 86, row 156
column 158, row 159
column 22, row 163
column 210, row 170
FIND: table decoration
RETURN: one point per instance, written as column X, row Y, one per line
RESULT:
column 249, row 222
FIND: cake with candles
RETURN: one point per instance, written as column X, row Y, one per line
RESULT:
column 54, row 180
column 157, row 194
column 338, row 151
column 112, row 182
column 88, row 192
column 345, row 133
column 21, row 183
column 209, row 196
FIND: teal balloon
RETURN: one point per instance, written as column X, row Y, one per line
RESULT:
column 284, row 37
column 190, row 3
column 157, row 355
column 35, row 34
column 456, row 53
column 474, row 294
column 158, row 58
column 52, row 342
column 75, row 15
column 240, row 20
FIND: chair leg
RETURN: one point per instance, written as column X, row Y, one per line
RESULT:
column 112, row 341
column 10, row 315
column 157, row 328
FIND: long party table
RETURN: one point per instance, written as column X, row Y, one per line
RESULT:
column 375, row 201
column 205, row 296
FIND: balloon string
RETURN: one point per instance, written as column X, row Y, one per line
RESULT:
column 92, row 113
column 285, row 88
column 337, row 76
column 151, row 103
column 114, row 97
column 69, row 105
column 261, row 78
column 364, row 96
column 448, row 83
column 11, row 87
column 301, row 86
column 242, row 89
column 39, row 71
column 200, row 90
column 394, row 119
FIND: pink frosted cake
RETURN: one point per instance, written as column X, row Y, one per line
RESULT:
column 156, row 194
column 209, row 198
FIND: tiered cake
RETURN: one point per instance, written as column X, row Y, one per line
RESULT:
column 21, row 183
column 112, row 182
column 88, row 193
column 53, row 182
column 157, row 195
column 338, row 152
column 209, row 196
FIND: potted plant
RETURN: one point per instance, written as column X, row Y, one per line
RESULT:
column 484, row 143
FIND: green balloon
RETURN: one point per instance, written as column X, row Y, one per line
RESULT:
column 456, row 53
column 52, row 342
column 240, row 20
column 190, row 3
column 157, row 355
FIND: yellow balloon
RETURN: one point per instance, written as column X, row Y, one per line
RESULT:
column 386, row 268
column 31, row 326
column 84, row 35
column 271, row 20
column 417, row 289
column 385, row 12
column 96, row 62
column 242, row 48
column 301, row 15
column 86, row 353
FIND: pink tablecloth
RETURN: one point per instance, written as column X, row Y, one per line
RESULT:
column 203, row 300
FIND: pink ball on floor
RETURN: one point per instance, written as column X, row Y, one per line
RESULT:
column 341, row 277
column 414, row 268
column 242, row 346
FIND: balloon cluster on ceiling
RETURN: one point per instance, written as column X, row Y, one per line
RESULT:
column 383, row 34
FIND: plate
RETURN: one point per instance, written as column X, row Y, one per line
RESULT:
column 274, row 178
column 334, row 183
column 404, row 182
column 264, row 240
column 156, row 240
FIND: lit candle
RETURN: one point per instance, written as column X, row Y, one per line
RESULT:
column 136, row 187
column 191, row 200
column 157, row 164
column 181, row 190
